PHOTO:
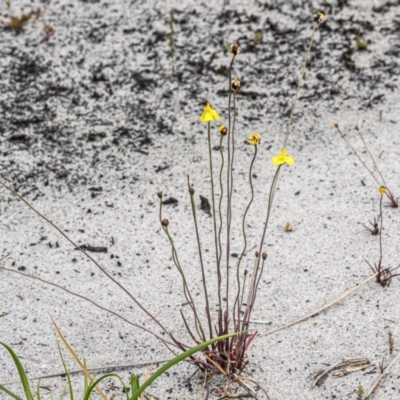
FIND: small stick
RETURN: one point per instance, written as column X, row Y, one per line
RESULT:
column 381, row 379
column 320, row 309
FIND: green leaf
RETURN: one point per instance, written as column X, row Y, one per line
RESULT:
column 177, row 360
column 21, row 372
column 38, row 391
column 11, row 394
column 134, row 386
column 92, row 386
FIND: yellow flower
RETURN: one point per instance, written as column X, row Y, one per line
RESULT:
column 209, row 114
column 254, row 139
column 282, row 159
column 382, row 190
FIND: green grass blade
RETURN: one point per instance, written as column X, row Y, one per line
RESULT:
column 21, row 372
column 89, row 390
column 177, row 360
column 38, row 391
column 134, row 386
column 11, row 394
column 71, row 392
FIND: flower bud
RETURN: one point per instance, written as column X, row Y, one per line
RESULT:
column 264, row 256
column 257, row 254
column 319, row 17
column 245, row 272
column 159, row 194
column 382, row 190
column 335, row 125
column 235, row 85
column 223, row 130
column 191, row 191
column 234, row 49
column 165, row 222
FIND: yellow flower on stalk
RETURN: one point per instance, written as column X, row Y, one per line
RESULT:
column 282, row 158
column 209, row 114
column 382, row 190
column 254, row 139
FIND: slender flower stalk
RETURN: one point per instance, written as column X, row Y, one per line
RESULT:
column 318, row 19
column 213, row 195
column 191, row 192
column 223, row 326
column 223, row 131
column 186, row 290
column 384, row 275
column 370, row 155
column 254, row 139
column 393, row 201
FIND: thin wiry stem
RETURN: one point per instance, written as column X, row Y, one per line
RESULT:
column 229, row 171
column 220, row 224
column 380, row 231
column 303, row 70
column 370, row 155
column 229, row 219
column 95, row 304
column 357, row 155
column 201, row 253
column 186, row 290
column 392, row 200
column 213, row 193
column 109, row 276
column 244, row 235
column 270, row 200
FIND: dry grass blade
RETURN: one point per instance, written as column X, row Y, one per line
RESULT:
column 320, row 309
column 76, row 358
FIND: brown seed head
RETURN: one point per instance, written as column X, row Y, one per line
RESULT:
column 165, row 222
column 335, row 125
column 356, row 128
column 257, row 254
column 234, row 49
column 264, row 256
column 159, row 194
column 191, row 191
column 235, row 84
column 245, row 272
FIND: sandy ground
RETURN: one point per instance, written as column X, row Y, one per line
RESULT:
column 94, row 124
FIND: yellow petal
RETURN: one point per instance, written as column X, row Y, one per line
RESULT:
column 289, row 160
column 254, row 139
column 206, row 117
column 277, row 160
column 214, row 115
column 209, row 114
